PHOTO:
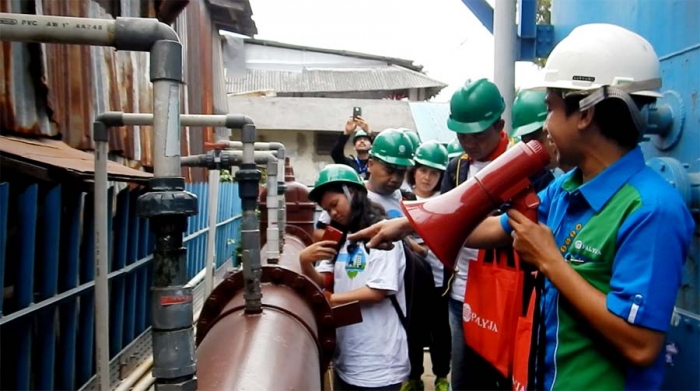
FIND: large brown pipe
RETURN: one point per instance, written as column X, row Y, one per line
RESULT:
column 287, row 347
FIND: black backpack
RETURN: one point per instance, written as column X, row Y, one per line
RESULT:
column 416, row 269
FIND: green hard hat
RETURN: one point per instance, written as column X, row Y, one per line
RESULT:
column 475, row 107
column 454, row 149
column 413, row 135
column 334, row 173
column 394, row 147
column 432, row 154
column 359, row 134
column 529, row 113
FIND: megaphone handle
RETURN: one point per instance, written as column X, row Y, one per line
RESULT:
column 526, row 202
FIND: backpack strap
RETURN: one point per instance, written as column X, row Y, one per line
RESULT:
column 399, row 312
column 408, row 281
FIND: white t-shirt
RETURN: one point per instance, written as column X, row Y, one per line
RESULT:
column 373, row 353
column 435, row 265
column 459, row 283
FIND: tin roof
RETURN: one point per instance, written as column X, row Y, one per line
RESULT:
column 381, row 78
column 56, row 91
column 58, row 155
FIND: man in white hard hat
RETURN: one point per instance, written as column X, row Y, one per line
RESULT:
column 613, row 235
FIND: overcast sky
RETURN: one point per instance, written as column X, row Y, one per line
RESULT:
column 442, row 35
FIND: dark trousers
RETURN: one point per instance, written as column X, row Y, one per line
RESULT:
column 340, row 385
column 431, row 329
column 440, row 343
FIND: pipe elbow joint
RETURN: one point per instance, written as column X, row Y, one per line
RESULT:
column 237, row 121
column 111, row 118
column 139, row 34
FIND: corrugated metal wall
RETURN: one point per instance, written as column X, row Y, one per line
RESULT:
column 57, row 90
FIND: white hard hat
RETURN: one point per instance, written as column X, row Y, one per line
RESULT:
column 597, row 55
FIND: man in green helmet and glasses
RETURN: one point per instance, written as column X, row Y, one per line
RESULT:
column 361, row 141
column 475, row 115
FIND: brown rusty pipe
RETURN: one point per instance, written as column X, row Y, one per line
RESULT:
column 276, row 350
column 287, row 347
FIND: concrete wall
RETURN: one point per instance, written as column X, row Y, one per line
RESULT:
column 301, row 150
column 321, row 114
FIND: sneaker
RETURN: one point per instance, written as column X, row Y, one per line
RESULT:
column 412, row 385
column 441, row 384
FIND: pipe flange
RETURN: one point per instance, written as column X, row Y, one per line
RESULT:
column 213, row 307
column 674, row 102
column 167, row 203
column 675, row 173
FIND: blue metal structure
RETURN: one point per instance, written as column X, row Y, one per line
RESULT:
column 47, row 272
column 673, row 28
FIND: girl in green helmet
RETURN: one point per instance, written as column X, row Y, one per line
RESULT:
column 372, row 354
column 425, row 177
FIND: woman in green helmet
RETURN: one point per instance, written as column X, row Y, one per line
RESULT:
column 424, row 178
column 373, row 354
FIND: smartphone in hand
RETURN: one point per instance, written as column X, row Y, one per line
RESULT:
column 356, row 112
column 332, row 234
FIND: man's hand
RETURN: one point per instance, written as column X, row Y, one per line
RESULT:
column 319, row 251
column 533, row 241
column 350, row 126
column 382, row 234
column 359, row 121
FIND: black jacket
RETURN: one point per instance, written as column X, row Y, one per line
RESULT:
column 338, row 156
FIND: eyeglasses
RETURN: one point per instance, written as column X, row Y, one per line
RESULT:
column 392, row 169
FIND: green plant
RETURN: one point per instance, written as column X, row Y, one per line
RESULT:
column 544, row 16
column 225, row 176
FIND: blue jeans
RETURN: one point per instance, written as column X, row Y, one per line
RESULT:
column 469, row 370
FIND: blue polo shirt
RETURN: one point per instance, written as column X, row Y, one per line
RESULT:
column 627, row 232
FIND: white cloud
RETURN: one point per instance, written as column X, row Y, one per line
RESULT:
column 442, row 35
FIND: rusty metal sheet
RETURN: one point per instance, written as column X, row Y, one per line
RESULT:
column 58, row 154
column 52, row 90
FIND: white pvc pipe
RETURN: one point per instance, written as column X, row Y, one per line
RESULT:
column 273, row 247
column 145, row 383
column 504, row 37
column 210, row 260
column 101, row 267
column 57, row 29
column 166, row 128
column 135, row 375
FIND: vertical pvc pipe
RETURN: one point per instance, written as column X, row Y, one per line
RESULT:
column 504, row 38
column 101, row 260
column 166, row 127
column 273, row 247
column 210, row 260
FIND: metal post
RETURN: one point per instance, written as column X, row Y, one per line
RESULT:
column 102, row 236
column 504, row 30
column 210, row 258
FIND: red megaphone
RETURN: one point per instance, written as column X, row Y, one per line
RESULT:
column 445, row 222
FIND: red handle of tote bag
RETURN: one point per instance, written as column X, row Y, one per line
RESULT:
column 523, row 345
